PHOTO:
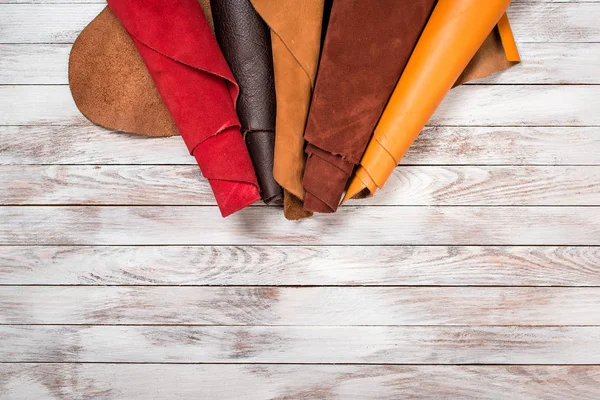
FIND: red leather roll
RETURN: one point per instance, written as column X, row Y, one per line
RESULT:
column 198, row 88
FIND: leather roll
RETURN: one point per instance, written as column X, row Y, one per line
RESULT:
column 110, row 83
column 246, row 43
column 451, row 39
column 367, row 46
column 198, row 88
column 295, row 36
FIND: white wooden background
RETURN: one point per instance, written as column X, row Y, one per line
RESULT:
column 474, row 274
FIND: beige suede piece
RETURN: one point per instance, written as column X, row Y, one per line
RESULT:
column 110, row 83
column 489, row 59
column 296, row 39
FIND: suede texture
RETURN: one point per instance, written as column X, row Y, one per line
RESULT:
column 246, row 43
column 295, row 36
column 492, row 57
column 181, row 53
column 110, row 84
column 455, row 32
column 367, row 46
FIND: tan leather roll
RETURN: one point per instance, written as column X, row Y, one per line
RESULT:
column 111, row 85
column 296, row 35
column 455, row 32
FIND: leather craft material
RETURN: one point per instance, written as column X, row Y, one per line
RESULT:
column 110, row 84
column 193, row 79
column 366, row 49
column 295, row 36
column 246, row 43
column 453, row 35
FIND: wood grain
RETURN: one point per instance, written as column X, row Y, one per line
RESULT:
column 497, row 202
column 118, row 381
column 300, row 265
column 417, row 185
column 543, row 63
column 278, row 306
column 61, row 23
column 410, row 225
column 23, row 145
column 302, row 344
column 469, row 105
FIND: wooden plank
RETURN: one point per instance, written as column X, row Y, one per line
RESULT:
column 127, row 381
column 318, row 306
column 45, row 23
column 416, row 185
column 95, row 145
column 470, row 105
column 39, row 105
column 300, row 265
column 532, row 22
column 552, row 63
column 189, row 225
column 519, row 106
column 436, row 146
column 302, row 344
column 547, row 22
column 472, row 186
column 34, row 63
column 543, row 63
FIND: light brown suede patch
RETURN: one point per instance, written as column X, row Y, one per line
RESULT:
column 110, row 83
column 489, row 59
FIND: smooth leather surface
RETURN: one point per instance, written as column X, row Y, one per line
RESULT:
column 295, row 35
column 193, row 79
column 246, row 43
column 368, row 43
column 453, row 35
column 263, row 144
column 110, row 83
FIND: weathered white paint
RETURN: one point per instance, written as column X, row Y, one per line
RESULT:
column 302, row 344
column 323, row 306
column 234, row 381
column 406, row 225
column 301, row 265
column 553, row 163
column 416, row 185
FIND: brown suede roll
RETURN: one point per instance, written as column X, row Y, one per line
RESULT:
column 367, row 46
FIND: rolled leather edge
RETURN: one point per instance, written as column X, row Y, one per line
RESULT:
column 382, row 156
column 324, row 180
column 235, row 192
column 262, row 143
column 246, row 43
column 198, row 88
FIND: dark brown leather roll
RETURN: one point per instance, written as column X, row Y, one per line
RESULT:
column 367, row 46
column 246, row 42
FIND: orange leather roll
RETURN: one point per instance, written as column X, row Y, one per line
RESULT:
column 456, row 30
column 296, row 42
